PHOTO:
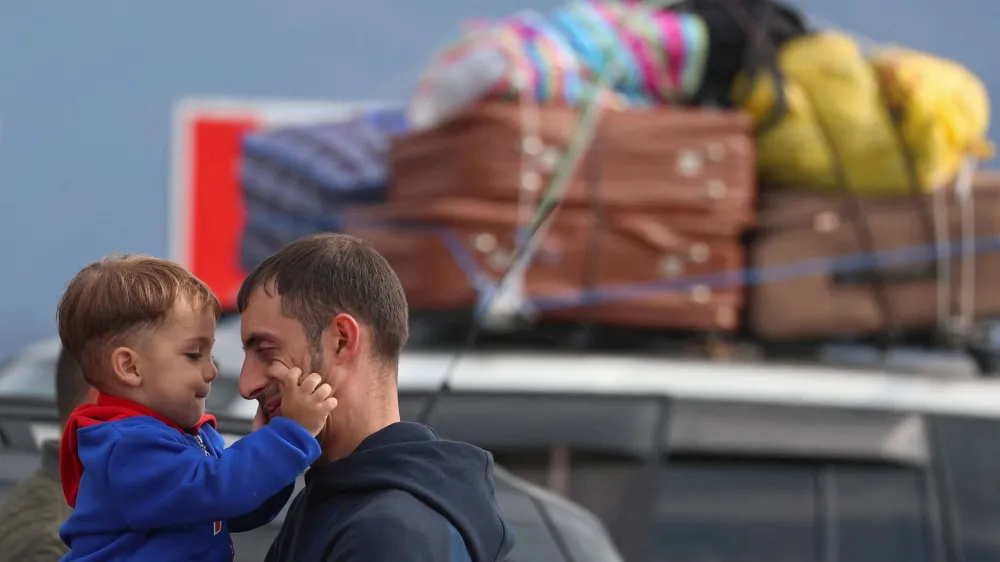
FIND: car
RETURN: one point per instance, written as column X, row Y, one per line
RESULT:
column 738, row 462
column 548, row 528
column 28, row 374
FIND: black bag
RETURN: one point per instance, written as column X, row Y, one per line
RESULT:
column 743, row 35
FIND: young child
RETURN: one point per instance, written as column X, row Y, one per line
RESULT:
column 144, row 467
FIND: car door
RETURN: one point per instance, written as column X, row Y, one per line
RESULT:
column 767, row 483
column 968, row 454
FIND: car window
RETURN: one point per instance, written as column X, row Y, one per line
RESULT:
column 724, row 512
column 224, row 391
column 880, row 514
column 769, row 511
column 970, row 453
column 600, row 482
column 30, row 374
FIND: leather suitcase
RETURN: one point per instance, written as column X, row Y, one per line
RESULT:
column 673, row 271
column 656, row 160
column 813, row 276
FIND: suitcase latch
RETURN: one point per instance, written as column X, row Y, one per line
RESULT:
column 688, row 164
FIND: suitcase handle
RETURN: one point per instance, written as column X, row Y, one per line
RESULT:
column 888, row 276
column 878, row 278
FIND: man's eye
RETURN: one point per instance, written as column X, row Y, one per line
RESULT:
column 193, row 356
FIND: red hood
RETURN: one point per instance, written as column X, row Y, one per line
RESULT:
column 108, row 408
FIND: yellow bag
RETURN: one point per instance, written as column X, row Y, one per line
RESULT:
column 837, row 111
column 944, row 109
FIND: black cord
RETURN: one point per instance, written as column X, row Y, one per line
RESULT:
column 449, row 372
column 924, row 208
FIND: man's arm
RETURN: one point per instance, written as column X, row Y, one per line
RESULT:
column 395, row 537
column 159, row 482
column 263, row 514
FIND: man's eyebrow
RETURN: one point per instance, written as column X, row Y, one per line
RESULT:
column 255, row 339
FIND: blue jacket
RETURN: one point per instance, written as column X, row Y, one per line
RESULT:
column 402, row 496
column 145, row 490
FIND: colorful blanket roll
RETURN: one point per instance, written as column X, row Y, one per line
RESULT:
column 645, row 55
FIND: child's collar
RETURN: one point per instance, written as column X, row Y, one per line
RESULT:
column 136, row 409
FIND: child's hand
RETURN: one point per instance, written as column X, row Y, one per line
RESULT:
column 306, row 402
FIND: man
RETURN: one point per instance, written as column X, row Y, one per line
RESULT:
column 35, row 508
column 383, row 490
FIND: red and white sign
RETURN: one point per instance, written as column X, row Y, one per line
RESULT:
column 206, row 204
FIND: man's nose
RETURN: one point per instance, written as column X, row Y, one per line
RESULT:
column 252, row 380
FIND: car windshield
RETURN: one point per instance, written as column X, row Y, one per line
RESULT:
column 30, row 373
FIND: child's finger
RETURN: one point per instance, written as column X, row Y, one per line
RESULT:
column 310, row 383
column 323, row 391
column 291, row 377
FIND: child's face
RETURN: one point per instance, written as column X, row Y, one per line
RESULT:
column 176, row 367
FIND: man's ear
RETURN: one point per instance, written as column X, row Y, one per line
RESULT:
column 345, row 337
column 125, row 366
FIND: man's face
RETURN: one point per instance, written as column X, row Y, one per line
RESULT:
column 273, row 343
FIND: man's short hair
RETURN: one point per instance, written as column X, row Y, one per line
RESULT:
column 71, row 387
column 113, row 297
column 323, row 275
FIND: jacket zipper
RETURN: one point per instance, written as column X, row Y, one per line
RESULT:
column 201, row 445
column 204, row 449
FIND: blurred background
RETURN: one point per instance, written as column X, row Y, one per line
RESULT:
column 760, row 323
column 89, row 90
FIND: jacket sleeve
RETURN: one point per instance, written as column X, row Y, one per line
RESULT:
column 391, row 537
column 159, row 481
column 263, row 514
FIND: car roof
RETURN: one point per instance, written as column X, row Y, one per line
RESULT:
column 643, row 375
column 670, row 377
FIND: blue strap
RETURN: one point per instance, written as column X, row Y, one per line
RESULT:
column 750, row 276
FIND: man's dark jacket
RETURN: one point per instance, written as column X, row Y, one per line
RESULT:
column 403, row 495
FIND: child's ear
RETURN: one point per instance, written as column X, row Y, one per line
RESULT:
column 125, row 365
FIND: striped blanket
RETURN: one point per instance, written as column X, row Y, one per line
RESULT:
column 646, row 56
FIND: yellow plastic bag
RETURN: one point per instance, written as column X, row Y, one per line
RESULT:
column 944, row 111
column 838, row 111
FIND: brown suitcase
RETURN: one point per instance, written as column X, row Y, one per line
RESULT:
column 658, row 160
column 812, row 279
column 648, row 271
